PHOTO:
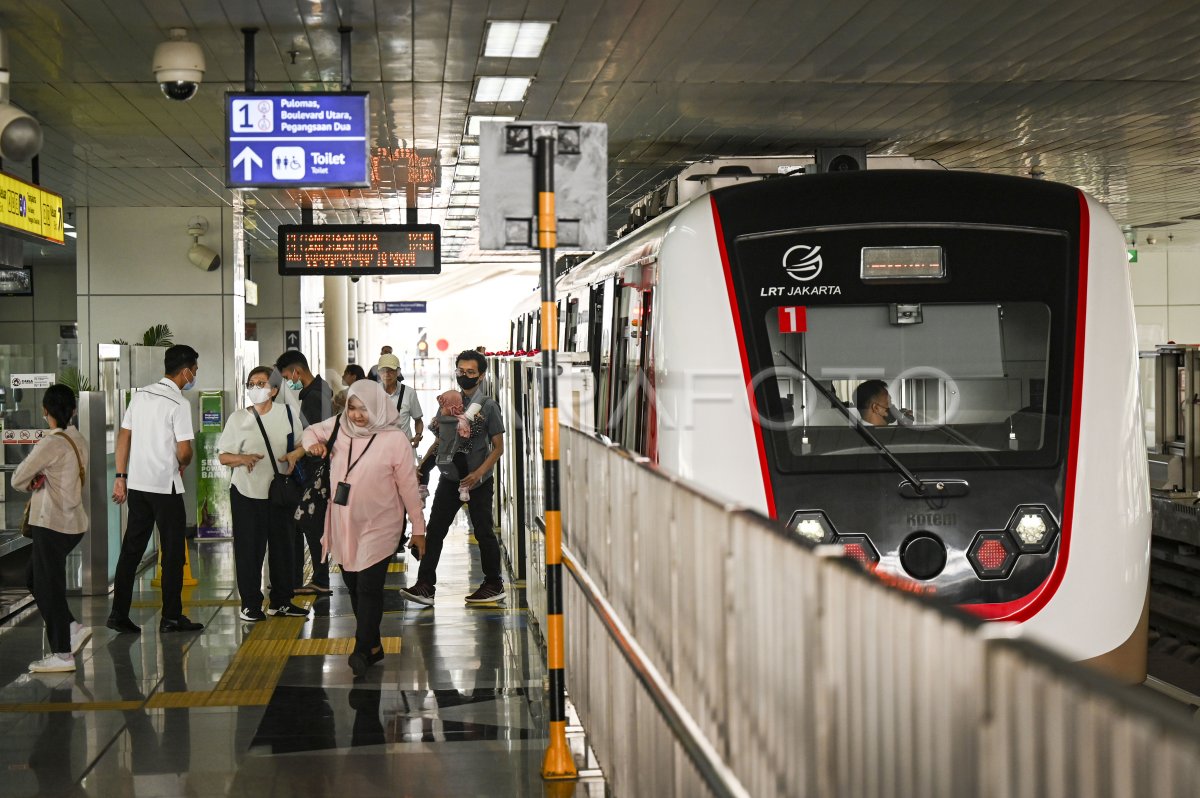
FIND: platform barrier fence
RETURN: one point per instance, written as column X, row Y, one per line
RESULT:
column 709, row 653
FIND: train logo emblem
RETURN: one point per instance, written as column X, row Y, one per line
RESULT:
column 802, row 262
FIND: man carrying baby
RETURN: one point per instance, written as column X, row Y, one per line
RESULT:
column 485, row 446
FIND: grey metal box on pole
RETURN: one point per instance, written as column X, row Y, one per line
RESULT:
column 506, row 191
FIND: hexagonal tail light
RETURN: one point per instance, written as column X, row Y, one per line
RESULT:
column 859, row 549
column 812, row 525
column 1033, row 528
column 993, row 555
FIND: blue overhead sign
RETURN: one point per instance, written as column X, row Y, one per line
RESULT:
column 398, row 307
column 309, row 139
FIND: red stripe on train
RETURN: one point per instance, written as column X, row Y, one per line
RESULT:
column 737, row 324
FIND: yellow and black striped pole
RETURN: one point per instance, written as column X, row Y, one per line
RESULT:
column 558, row 762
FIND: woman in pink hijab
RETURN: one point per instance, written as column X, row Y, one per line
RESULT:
column 372, row 481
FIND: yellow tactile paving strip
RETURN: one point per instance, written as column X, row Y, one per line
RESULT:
column 249, row 680
column 329, row 647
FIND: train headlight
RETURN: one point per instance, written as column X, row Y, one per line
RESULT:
column 1033, row 528
column 993, row 555
column 812, row 525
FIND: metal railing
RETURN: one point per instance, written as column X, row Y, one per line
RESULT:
column 708, row 653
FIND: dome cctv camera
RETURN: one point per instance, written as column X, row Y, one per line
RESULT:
column 20, row 133
column 179, row 66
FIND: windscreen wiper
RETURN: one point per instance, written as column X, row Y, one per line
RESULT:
column 861, row 428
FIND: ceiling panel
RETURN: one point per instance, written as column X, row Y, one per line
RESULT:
column 1102, row 100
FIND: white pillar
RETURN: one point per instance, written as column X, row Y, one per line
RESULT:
column 364, row 354
column 352, row 316
column 335, row 327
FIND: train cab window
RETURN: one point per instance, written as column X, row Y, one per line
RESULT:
column 967, row 385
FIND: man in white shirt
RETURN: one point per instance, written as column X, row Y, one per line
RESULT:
column 405, row 398
column 153, row 447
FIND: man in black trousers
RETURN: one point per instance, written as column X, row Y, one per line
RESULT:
column 153, row 447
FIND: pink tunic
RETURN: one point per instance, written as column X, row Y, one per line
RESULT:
column 383, row 486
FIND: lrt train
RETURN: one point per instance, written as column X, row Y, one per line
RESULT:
column 734, row 341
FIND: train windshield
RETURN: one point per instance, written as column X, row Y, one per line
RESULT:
column 941, row 385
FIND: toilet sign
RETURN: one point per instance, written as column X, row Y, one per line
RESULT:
column 309, row 139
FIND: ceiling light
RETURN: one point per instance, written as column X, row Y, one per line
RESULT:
column 473, row 122
column 516, row 39
column 466, row 187
column 466, row 171
column 464, row 201
column 468, row 153
column 501, row 90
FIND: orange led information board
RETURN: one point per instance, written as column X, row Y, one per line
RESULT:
column 31, row 210
column 354, row 249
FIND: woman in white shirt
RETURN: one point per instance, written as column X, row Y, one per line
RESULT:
column 259, row 526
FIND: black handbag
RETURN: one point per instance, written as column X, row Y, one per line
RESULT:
column 285, row 490
column 310, row 514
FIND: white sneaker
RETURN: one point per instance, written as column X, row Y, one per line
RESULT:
column 55, row 663
column 80, row 634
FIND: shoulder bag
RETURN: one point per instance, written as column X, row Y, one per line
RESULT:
column 285, row 489
column 315, row 501
column 26, row 527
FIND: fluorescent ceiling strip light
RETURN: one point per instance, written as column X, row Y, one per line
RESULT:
column 516, row 39
column 501, row 90
column 473, row 122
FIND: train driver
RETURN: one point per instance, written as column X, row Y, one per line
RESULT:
column 874, row 403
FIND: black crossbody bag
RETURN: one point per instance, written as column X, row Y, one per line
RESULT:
column 286, row 491
column 315, row 501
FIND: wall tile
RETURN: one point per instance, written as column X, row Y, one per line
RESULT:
column 1183, row 277
column 1148, row 278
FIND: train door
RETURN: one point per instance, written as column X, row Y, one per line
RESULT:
column 595, row 326
column 647, row 413
column 627, row 418
column 604, row 370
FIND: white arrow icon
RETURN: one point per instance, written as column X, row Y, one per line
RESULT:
column 244, row 159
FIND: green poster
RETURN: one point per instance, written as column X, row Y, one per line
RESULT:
column 213, row 519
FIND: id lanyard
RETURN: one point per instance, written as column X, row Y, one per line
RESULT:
column 350, row 457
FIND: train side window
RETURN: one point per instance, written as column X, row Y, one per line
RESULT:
column 571, row 339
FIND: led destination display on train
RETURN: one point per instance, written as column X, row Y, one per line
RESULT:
column 353, row 249
column 903, row 263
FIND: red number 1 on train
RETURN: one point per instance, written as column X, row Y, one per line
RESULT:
column 793, row 320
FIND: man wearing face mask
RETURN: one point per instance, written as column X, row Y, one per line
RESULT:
column 316, row 397
column 316, row 405
column 486, row 447
column 153, row 447
column 874, row 405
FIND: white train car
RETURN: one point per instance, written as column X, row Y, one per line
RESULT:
column 734, row 339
